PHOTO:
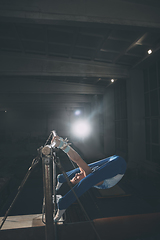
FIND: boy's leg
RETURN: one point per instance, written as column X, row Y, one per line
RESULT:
column 61, row 178
column 111, row 169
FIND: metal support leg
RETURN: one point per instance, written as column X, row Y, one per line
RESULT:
column 54, row 193
column 54, row 185
column 47, row 185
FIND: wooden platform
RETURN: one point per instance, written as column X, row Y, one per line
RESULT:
column 22, row 221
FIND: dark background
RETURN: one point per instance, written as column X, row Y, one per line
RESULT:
column 56, row 57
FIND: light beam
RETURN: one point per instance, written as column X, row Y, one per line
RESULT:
column 81, row 128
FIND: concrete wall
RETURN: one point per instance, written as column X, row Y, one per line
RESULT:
column 136, row 120
column 25, row 131
column 109, row 124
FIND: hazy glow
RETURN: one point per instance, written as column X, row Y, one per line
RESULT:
column 81, row 128
column 77, row 112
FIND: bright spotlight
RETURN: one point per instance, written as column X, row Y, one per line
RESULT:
column 81, row 128
column 77, row 112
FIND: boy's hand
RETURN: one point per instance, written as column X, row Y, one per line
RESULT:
column 56, row 139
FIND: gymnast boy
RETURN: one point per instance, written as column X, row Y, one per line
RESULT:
column 101, row 174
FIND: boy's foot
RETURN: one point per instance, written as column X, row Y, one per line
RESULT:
column 58, row 186
column 59, row 214
column 57, row 198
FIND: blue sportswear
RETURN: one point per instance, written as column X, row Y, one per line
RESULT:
column 110, row 170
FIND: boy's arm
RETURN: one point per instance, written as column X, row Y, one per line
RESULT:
column 75, row 157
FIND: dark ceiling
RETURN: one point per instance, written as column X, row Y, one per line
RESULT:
column 126, row 46
column 88, row 45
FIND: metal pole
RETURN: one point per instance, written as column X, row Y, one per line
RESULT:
column 50, row 154
column 47, row 185
column 53, row 153
column 54, row 185
column 54, row 193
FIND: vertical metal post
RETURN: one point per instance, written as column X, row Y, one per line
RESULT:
column 54, row 193
column 54, row 183
column 47, row 186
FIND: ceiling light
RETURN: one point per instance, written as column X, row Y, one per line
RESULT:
column 112, row 80
column 149, row 51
